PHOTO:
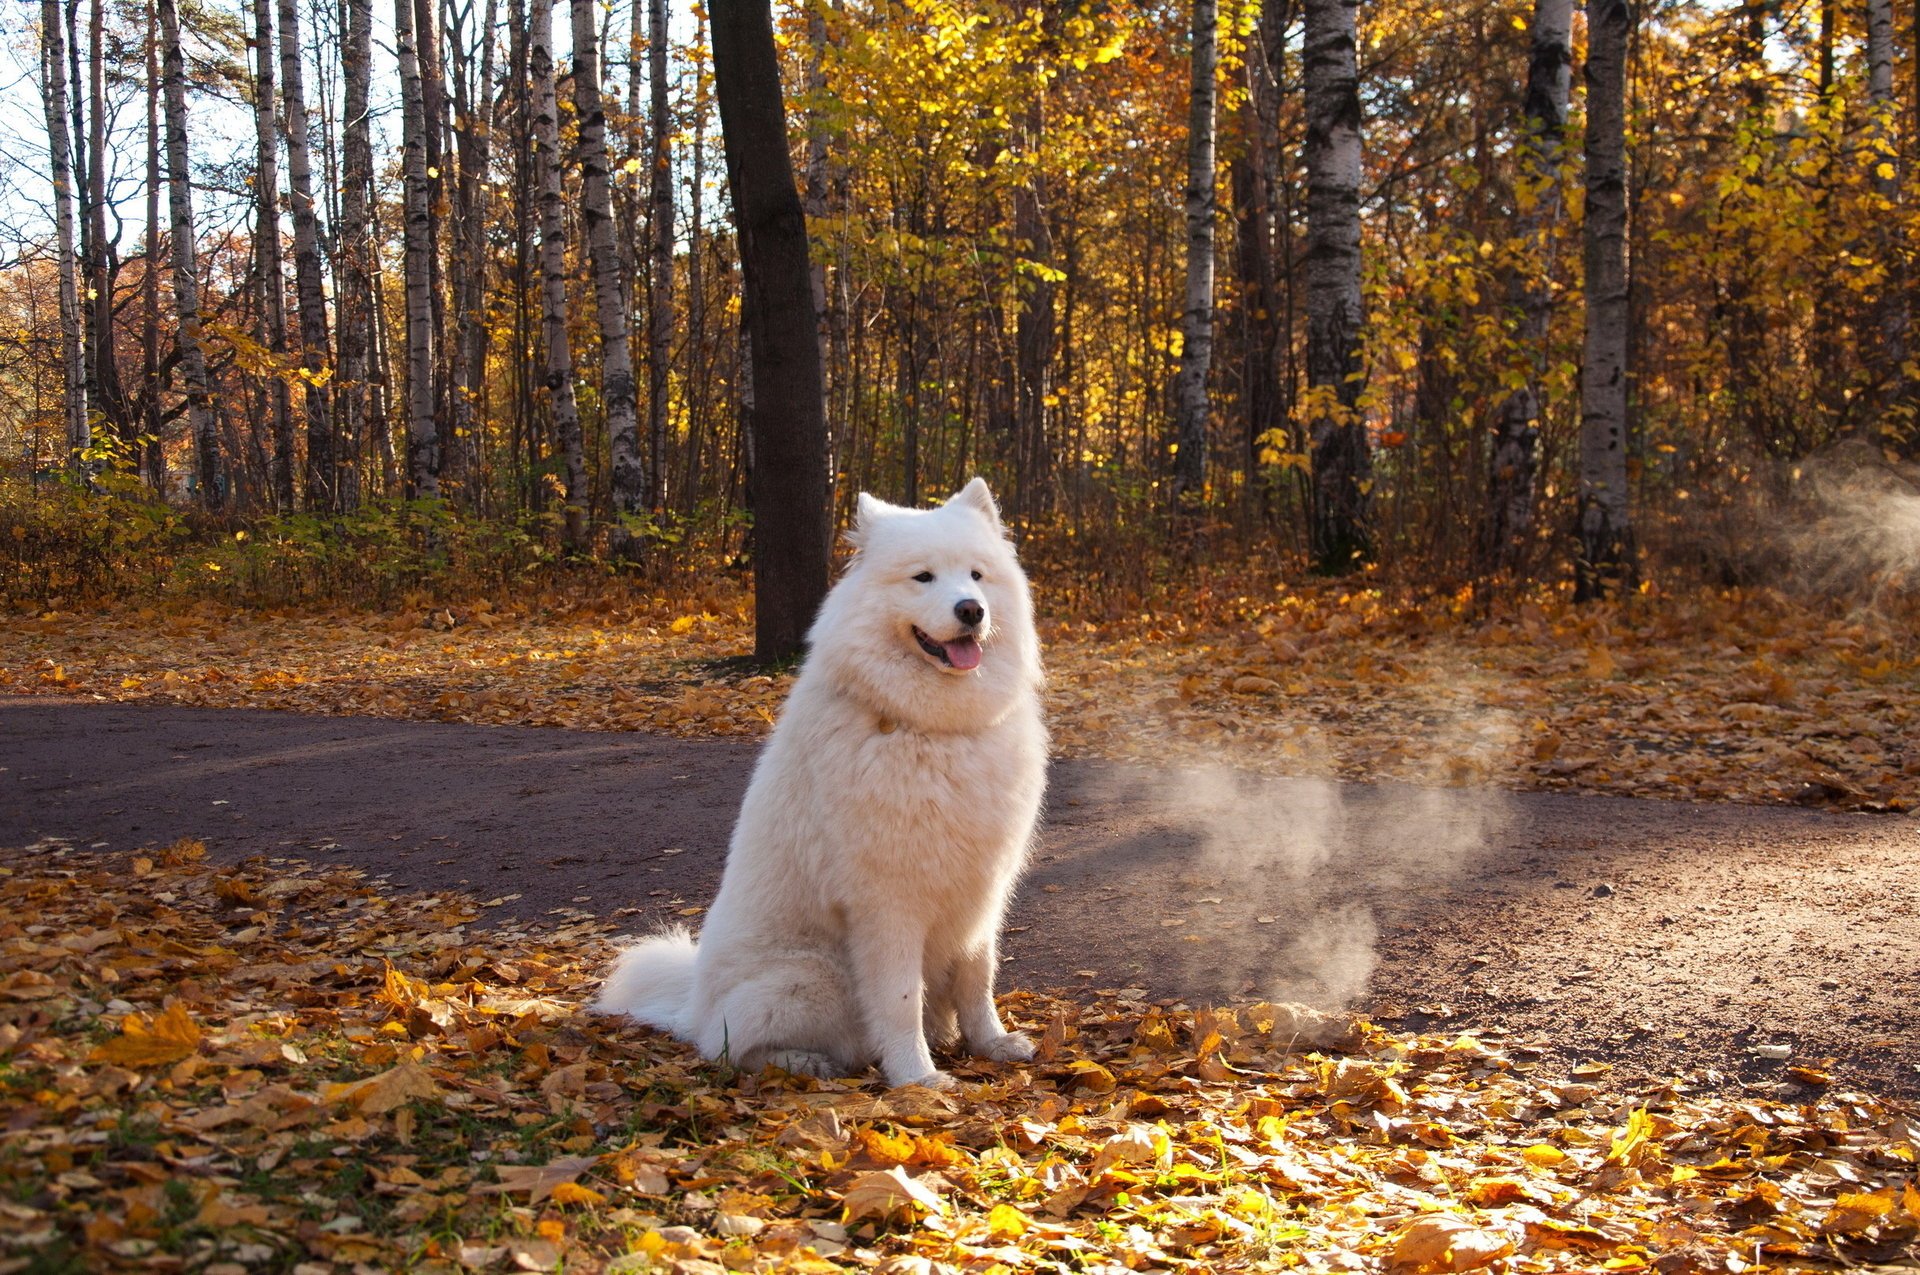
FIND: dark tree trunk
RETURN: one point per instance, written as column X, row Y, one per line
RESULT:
column 1263, row 320
column 267, row 256
column 788, row 416
column 1517, row 425
column 353, row 263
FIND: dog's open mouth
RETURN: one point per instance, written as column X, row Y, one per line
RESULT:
column 961, row 653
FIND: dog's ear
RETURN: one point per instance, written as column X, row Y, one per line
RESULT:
column 976, row 496
column 867, row 511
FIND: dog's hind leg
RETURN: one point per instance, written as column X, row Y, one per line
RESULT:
column 794, row 1013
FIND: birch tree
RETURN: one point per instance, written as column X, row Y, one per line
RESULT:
column 1196, row 324
column 1889, row 348
column 1605, row 566
column 619, row 395
column 553, row 270
column 73, row 368
column 1342, row 464
column 352, row 274
column 423, row 440
column 186, row 284
column 266, row 247
column 309, row 288
column 786, row 438
column 660, row 244
column 1510, row 491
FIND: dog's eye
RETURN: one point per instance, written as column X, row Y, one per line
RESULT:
column 926, row 577
column 976, row 575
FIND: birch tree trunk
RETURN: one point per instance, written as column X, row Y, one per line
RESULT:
column 1342, row 464
column 352, row 263
column 73, row 367
column 1889, row 351
column 619, row 395
column 323, row 482
column 186, row 284
column 1196, row 324
column 423, row 439
column 553, row 271
column 1510, row 488
column 267, row 260
column 1605, row 567
column 660, row 244
column 786, row 439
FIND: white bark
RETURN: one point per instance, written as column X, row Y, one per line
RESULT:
column 1196, row 324
column 186, row 284
column 619, row 395
column 1883, row 158
column 423, row 442
column 1342, row 464
column 309, row 287
column 553, row 270
column 1605, row 565
column 73, row 369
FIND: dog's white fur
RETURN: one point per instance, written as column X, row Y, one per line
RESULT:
column 887, row 821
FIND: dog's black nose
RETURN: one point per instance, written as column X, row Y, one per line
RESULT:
column 970, row 612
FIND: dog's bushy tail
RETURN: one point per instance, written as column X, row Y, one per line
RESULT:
column 652, row 982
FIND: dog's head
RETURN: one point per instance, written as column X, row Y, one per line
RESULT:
column 933, row 615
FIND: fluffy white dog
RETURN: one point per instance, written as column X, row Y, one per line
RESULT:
column 887, row 821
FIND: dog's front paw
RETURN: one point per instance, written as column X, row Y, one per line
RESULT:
column 935, row 1079
column 1007, row 1047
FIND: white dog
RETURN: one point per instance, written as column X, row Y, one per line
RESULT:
column 887, row 821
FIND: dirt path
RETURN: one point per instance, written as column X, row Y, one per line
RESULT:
column 1665, row 938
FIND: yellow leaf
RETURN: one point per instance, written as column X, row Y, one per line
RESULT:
column 1006, row 1222
column 152, row 1043
column 574, row 1193
column 1856, row 1211
column 683, row 624
column 1631, row 1145
column 887, row 1148
column 1543, row 1155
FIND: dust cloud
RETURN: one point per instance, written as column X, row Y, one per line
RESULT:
column 1862, row 531
column 1288, row 881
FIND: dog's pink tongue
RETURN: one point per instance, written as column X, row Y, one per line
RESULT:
column 963, row 653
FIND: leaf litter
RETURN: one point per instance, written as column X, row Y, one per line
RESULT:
column 279, row 1065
